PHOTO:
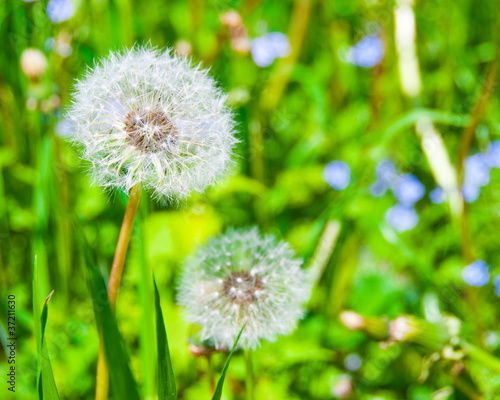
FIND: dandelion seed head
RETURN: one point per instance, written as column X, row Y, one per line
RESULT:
column 151, row 117
column 243, row 285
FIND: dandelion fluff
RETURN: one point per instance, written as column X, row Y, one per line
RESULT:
column 152, row 118
column 240, row 278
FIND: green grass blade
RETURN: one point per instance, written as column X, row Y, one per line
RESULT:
column 166, row 379
column 36, row 310
column 46, row 384
column 120, row 375
column 218, row 389
column 146, row 299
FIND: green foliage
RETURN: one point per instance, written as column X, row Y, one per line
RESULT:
column 45, row 378
column 166, row 379
column 220, row 383
column 120, row 375
column 293, row 117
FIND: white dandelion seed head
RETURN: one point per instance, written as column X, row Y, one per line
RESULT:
column 151, row 117
column 243, row 277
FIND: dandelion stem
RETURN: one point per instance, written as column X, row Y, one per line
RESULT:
column 250, row 378
column 122, row 246
column 211, row 374
column 102, row 384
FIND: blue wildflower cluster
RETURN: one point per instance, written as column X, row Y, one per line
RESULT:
column 60, row 10
column 476, row 174
column 407, row 190
column 477, row 274
column 265, row 49
column 337, row 174
column 367, row 53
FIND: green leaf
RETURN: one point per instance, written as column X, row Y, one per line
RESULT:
column 36, row 310
column 166, row 379
column 46, row 384
column 146, row 299
column 120, row 375
column 218, row 389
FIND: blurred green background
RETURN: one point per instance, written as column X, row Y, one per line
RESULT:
column 310, row 106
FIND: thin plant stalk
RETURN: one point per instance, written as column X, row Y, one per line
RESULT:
column 275, row 87
column 467, row 137
column 210, row 374
column 102, row 381
column 250, row 377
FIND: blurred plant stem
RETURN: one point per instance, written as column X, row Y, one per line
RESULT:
column 323, row 252
column 146, row 296
column 280, row 76
column 210, row 373
column 432, row 143
column 4, row 232
column 255, row 137
column 481, row 356
column 102, row 379
column 249, row 6
column 477, row 112
column 273, row 91
column 102, row 384
column 342, row 271
column 467, row 137
column 41, row 209
column 249, row 376
column 60, row 199
column 466, row 388
column 376, row 94
column 197, row 10
column 126, row 22
column 376, row 327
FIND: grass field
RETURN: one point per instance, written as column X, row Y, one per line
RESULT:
column 368, row 139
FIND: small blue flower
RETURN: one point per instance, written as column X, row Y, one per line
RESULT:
column 337, row 174
column 60, row 10
column 367, row 53
column 477, row 170
column 401, row 217
column 265, row 49
column 408, row 189
column 438, row 195
column 65, row 128
column 493, row 154
column 386, row 171
column 378, row 188
column 470, row 192
column 496, row 281
column 476, row 274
